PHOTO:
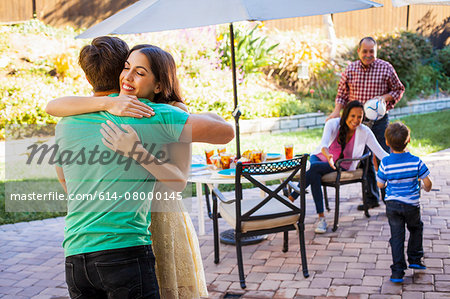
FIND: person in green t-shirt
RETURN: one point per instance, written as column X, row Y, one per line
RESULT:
column 104, row 232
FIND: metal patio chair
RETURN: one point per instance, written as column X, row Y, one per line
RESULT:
column 260, row 216
column 342, row 177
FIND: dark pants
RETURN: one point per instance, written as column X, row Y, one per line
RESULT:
column 117, row 273
column 398, row 215
column 378, row 129
column 314, row 175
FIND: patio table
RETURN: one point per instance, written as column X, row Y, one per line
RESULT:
column 213, row 179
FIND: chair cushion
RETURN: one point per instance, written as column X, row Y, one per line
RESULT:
column 228, row 212
column 345, row 176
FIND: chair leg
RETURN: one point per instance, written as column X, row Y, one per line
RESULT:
column 301, row 236
column 237, row 237
column 365, row 203
column 336, row 210
column 285, row 241
column 208, row 204
column 216, row 229
column 325, row 195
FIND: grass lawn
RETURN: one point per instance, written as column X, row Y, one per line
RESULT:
column 429, row 133
column 37, row 186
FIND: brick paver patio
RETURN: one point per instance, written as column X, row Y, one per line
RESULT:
column 352, row 262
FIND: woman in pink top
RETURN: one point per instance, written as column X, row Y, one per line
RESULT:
column 342, row 138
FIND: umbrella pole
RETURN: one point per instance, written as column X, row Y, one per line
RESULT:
column 236, row 112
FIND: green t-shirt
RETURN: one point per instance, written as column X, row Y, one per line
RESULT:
column 111, row 194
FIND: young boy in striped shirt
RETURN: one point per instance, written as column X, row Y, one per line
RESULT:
column 400, row 173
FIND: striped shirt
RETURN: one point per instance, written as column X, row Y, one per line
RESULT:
column 362, row 83
column 402, row 172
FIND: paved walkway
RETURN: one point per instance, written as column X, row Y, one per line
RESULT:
column 352, row 262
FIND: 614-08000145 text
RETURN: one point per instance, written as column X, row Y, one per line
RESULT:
column 107, row 196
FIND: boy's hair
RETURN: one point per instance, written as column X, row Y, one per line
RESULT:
column 102, row 61
column 397, row 135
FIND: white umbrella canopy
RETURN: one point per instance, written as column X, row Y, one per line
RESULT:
column 160, row 15
column 399, row 3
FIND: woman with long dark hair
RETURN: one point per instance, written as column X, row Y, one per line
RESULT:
column 342, row 138
column 150, row 73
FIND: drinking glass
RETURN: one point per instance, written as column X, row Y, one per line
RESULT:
column 209, row 154
column 289, row 151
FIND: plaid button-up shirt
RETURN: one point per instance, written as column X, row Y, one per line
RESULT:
column 361, row 83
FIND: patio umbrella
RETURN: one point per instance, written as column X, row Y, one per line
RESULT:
column 161, row 15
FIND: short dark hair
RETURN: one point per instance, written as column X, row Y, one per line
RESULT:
column 164, row 69
column 102, row 61
column 397, row 135
column 369, row 38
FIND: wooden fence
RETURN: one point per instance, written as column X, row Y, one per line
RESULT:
column 84, row 13
column 375, row 20
column 76, row 13
column 13, row 11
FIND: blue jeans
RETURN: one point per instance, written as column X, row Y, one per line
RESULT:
column 314, row 175
column 378, row 129
column 398, row 215
column 117, row 273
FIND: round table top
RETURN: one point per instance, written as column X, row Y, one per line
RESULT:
column 212, row 176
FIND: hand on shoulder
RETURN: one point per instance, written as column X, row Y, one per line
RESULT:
column 334, row 114
column 128, row 105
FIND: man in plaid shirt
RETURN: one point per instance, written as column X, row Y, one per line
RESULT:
column 361, row 81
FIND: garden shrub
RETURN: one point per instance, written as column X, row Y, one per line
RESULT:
column 424, row 77
column 66, row 65
column 443, row 57
column 296, row 48
column 252, row 50
column 277, row 104
column 39, row 63
column 417, row 65
column 325, row 81
column 401, row 52
column 31, row 51
column 419, row 68
column 422, row 44
column 271, row 104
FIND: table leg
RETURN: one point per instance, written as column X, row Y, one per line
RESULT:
column 261, row 191
column 201, row 212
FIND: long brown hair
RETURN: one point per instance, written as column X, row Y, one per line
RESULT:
column 164, row 69
column 343, row 128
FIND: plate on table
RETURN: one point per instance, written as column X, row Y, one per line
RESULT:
column 197, row 167
column 227, row 173
column 273, row 156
